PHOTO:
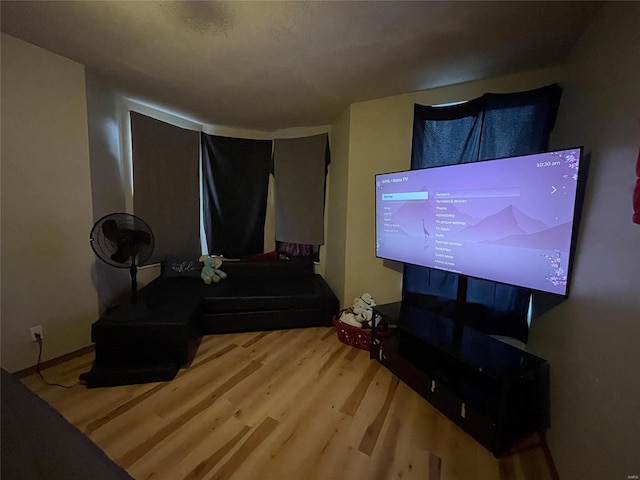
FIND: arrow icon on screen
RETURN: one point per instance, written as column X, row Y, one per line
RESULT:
column 553, row 189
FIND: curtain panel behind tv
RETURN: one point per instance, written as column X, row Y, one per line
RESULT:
column 235, row 185
column 491, row 126
column 165, row 184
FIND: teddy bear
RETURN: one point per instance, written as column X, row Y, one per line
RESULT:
column 211, row 269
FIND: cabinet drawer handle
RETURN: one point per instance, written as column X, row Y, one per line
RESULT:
column 463, row 412
column 433, row 386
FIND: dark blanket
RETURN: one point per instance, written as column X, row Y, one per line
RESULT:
column 39, row 444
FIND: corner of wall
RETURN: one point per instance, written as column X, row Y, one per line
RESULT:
column 337, row 185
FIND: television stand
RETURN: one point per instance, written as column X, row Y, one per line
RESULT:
column 494, row 391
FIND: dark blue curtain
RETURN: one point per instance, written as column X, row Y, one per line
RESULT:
column 492, row 126
column 235, row 175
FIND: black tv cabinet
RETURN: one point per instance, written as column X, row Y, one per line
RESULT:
column 494, row 391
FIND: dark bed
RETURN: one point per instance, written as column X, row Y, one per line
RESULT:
column 37, row 443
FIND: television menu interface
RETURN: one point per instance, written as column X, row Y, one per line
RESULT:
column 508, row 220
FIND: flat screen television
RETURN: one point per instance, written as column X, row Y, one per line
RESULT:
column 509, row 220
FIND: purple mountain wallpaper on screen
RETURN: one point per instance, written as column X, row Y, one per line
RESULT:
column 509, row 220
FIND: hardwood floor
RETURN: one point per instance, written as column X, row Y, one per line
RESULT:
column 290, row 404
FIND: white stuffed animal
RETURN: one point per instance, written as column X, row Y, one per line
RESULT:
column 361, row 314
column 363, row 307
column 363, row 302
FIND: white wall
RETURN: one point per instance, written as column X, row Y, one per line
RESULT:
column 591, row 341
column 336, row 207
column 46, row 205
column 108, row 170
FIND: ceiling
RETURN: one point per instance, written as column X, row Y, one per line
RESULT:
column 270, row 65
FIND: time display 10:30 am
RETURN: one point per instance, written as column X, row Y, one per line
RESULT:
column 548, row 163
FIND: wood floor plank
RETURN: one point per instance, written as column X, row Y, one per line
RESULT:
column 257, row 338
column 204, row 467
column 345, row 462
column 370, row 437
column 253, row 441
column 329, row 333
column 397, row 453
column 180, row 462
column 82, row 405
column 531, row 466
column 300, row 442
column 188, row 446
column 133, row 455
column 122, row 408
column 330, row 360
column 217, row 368
column 158, row 412
column 384, row 461
column 351, row 405
column 274, row 389
column 276, row 362
column 279, row 340
column 353, row 353
column 281, row 405
column 313, row 419
column 212, row 356
column 371, row 403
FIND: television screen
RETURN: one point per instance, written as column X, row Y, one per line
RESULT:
column 509, row 220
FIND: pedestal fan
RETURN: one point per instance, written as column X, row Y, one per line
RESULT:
column 122, row 356
column 123, row 240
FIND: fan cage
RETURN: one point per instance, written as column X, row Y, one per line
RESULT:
column 104, row 247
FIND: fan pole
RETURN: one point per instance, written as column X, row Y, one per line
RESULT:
column 134, row 284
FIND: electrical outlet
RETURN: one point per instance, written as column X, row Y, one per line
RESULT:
column 36, row 330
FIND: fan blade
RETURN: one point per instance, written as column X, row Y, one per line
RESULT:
column 140, row 236
column 110, row 230
column 122, row 254
column 129, row 243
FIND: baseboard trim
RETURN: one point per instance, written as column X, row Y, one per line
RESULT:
column 54, row 361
